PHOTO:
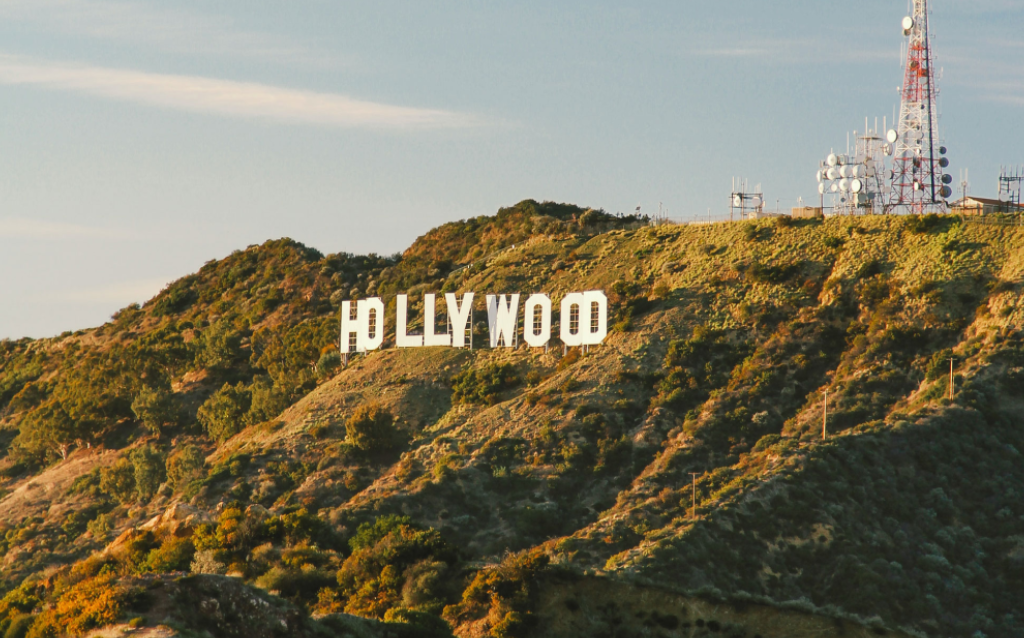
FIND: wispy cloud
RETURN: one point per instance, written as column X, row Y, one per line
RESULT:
column 155, row 26
column 803, row 50
column 997, row 78
column 122, row 293
column 224, row 97
column 21, row 228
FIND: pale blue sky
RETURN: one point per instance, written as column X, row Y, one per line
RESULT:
column 140, row 139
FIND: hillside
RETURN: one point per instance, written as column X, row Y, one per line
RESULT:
column 515, row 492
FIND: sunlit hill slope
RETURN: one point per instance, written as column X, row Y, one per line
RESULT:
column 209, row 451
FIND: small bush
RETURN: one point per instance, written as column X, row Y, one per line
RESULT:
column 174, row 554
column 371, row 428
column 485, row 385
column 155, row 408
column 148, row 470
column 223, row 414
column 185, row 466
column 921, row 223
column 118, row 480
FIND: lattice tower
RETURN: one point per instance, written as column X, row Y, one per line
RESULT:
column 918, row 182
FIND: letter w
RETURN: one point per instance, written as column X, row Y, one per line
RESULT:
column 502, row 316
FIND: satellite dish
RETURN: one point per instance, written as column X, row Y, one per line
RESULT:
column 943, row 162
column 947, row 179
column 841, row 159
column 832, row 173
column 737, row 201
column 942, row 150
column 946, row 192
column 819, row 176
column 756, row 202
column 887, row 149
column 844, row 171
column 856, row 185
column 832, row 159
column 908, row 23
column 835, row 187
column 844, row 185
column 892, row 136
column 821, row 189
column 856, row 170
column 917, row 185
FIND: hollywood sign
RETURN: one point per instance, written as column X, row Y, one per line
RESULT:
column 583, row 321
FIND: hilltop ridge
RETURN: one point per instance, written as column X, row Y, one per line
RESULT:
column 436, row 488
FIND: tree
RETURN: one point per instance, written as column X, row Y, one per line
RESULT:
column 268, row 400
column 118, row 480
column 219, row 346
column 46, row 432
column 223, row 414
column 148, row 467
column 185, row 466
column 155, row 408
column 371, row 428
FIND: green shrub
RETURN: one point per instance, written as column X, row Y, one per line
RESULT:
column 426, row 625
column 833, row 242
column 921, row 223
column 184, row 466
column 485, row 385
column 268, row 400
column 371, row 428
column 223, row 414
column 148, row 469
column 394, row 560
column 155, row 408
column 174, row 554
column 328, row 364
column 100, row 526
column 766, row 442
column 219, row 346
column 118, row 480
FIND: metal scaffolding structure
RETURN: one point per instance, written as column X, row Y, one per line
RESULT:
column 919, row 183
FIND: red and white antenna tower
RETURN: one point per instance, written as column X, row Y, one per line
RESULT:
column 919, row 184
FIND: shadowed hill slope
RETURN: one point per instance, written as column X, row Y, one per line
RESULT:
column 395, row 487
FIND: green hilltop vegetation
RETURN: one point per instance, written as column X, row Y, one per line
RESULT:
column 204, row 464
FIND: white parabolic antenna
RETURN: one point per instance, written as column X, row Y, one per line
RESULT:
column 835, row 187
column 844, row 185
column 832, row 159
column 856, row 185
column 737, row 200
column 844, row 171
column 821, row 189
column 756, row 201
column 819, row 176
column 908, row 23
column 892, row 136
column 833, row 173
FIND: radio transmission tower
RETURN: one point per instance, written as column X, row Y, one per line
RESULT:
column 918, row 182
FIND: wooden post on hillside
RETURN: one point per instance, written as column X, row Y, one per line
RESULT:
column 951, row 379
column 824, row 416
column 694, row 476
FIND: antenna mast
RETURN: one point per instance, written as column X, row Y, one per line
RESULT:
column 919, row 184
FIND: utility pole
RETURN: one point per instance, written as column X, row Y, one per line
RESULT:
column 951, row 379
column 694, row 476
column 824, row 416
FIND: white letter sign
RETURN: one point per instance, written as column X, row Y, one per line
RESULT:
column 537, row 329
column 459, row 316
column 403, row 340
column 502, row 315
column 430, row 338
